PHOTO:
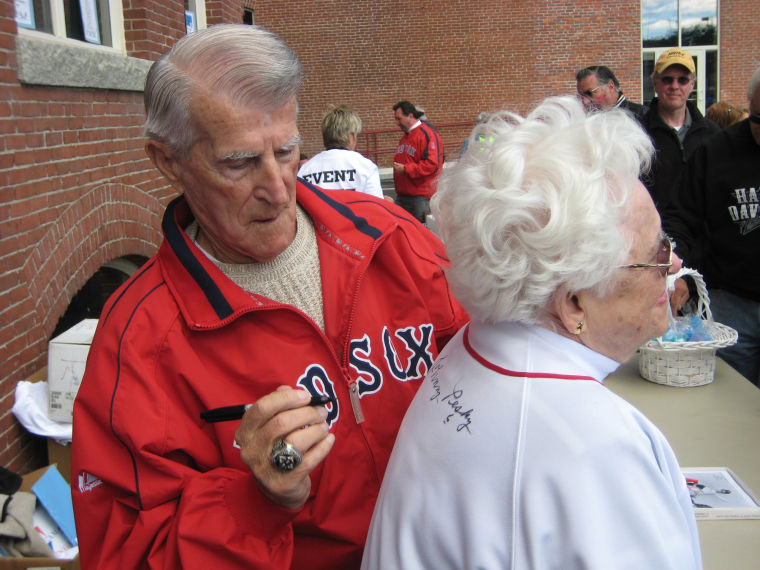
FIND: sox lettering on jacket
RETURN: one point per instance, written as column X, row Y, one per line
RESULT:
column 406, row 353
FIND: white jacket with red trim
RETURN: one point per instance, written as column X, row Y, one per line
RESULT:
column 156, row 487
column 514, row 455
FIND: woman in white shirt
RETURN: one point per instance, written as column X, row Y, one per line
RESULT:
column 513, row 454
column 340, row 166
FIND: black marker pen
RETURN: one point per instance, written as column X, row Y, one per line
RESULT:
column 228, row 413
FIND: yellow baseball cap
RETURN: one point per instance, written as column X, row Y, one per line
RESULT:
column 674, row 56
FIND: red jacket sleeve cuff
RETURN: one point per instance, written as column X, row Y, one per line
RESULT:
column 253, row 512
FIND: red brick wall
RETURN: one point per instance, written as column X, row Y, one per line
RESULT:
column 454, row 59
column 224, row 11
column 77, row 190
column 739, row 49
column 151, row 28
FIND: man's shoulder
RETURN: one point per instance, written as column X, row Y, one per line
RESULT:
column 651, row 118
column 145, row 291
column 316, row 162
column 727, row 141
column 372, row 216
column 637, row 109
column 700, row 121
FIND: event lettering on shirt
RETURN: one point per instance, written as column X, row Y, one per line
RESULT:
column 331, row 176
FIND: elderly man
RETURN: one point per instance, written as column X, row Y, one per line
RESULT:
column 674, row 123
column 599, row 89
column 339, row 166
column 716, row 224
column 244, row 389
column 417, row 162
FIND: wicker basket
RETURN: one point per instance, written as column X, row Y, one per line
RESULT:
column 686, row 364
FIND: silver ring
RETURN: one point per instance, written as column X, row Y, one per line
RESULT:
column 285, row 456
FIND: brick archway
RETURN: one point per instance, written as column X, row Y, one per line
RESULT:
column 109, row 221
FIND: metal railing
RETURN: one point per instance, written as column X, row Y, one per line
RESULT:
column 379, row 145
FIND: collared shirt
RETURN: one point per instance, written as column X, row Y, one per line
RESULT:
column 684, row 128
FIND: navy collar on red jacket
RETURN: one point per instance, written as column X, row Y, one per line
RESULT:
column 333, row 216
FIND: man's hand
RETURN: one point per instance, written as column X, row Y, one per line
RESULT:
column 398, row 167
column 284, row 414
column 679, row 295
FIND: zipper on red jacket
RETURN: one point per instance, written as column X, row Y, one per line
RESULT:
column 353, row 386
column 356, row 405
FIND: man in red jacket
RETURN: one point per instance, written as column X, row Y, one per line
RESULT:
column 305, row 320
column 418, row 160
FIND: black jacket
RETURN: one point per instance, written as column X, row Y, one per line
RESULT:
column 637, row 110
column 670, row 157
column 715, row 217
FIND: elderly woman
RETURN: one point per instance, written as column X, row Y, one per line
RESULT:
column 513, row 453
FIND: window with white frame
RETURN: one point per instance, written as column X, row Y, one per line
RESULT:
column 195, row 15
column 97, row 22
column 89, row 48
column 690, row 24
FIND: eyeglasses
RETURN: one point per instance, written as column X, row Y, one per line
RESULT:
column 663, row 259
column 588, row 93
column 668, row 79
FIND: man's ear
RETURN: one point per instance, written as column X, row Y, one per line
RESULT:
column 568, row 306
column 164, row 160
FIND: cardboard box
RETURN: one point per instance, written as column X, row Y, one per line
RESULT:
column 60, row 455
column 55, row 496
column 67, row 356
column 22, row 563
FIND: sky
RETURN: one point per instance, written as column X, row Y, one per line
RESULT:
column 659, row 17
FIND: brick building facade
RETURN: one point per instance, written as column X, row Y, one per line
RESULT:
column 78, row 190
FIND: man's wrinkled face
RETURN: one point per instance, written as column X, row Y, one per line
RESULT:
column 240, row 178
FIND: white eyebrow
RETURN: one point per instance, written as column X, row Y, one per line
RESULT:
column 242, row 155
column 295, row 141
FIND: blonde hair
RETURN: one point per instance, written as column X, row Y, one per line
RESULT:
column 337, row 124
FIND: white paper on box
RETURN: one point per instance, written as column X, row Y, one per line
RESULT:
column 67, row 356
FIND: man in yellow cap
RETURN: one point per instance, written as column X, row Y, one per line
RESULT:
column 674, row 123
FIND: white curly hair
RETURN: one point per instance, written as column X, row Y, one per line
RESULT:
column 537, row 203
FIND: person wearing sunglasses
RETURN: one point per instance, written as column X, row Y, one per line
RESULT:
column 716, row 222
column 674, row 123
column 513, row 454
column 599, row 89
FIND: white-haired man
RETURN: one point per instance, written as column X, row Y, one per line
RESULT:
column 244, row 389
column 715, row 220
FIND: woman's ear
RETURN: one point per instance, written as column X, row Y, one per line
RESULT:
column 569, row 309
